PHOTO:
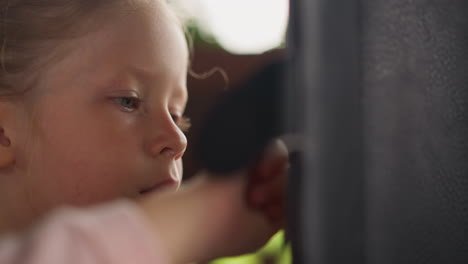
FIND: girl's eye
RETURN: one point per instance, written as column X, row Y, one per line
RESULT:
column 128, row 104
column 182, row 122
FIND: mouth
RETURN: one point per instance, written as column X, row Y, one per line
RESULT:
column 168, row 184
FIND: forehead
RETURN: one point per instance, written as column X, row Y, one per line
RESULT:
column 147, row 39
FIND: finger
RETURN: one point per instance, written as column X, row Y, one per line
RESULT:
column 269, row 193
column 273, row 186
column 275, row 215
column 275, row 155
column 261, row 190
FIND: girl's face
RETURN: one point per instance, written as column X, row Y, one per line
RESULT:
column 105, row 118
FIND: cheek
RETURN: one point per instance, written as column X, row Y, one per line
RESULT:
column 81, row 167
column 77, row 181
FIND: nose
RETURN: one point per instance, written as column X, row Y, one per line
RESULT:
column 168, row 140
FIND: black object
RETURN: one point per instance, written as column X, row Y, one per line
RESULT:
column 239, row 127
column 385, row 167
column 327, row 184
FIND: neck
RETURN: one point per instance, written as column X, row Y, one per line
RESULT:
column 5, row 228
column 14, row 214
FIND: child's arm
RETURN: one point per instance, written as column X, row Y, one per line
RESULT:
column 207, row 220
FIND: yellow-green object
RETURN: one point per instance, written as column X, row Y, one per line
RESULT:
column 275, row 250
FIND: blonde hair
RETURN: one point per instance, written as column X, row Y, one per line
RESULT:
column 29, row 30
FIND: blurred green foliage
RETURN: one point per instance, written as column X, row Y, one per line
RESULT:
column 276, row 251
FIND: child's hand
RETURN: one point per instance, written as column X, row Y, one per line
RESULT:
column 267, row 183
column 251, row 207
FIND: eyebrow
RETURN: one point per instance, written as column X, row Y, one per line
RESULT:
column 180, row 93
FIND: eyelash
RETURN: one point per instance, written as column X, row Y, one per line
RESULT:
column 122, row 100
column 182, row 122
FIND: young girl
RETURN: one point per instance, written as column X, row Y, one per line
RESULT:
column 91, row 111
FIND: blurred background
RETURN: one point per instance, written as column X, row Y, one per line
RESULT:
column 231, row 41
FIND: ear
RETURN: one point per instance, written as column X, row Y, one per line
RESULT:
column 7, row 156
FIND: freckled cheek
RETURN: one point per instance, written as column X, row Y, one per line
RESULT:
column 87, row 183
column 82, row 176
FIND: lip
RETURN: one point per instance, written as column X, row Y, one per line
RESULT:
column 168, row 184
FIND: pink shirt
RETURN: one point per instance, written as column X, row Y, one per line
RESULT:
column 113, row 233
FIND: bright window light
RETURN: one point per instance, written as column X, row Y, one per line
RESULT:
column 241, row 26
